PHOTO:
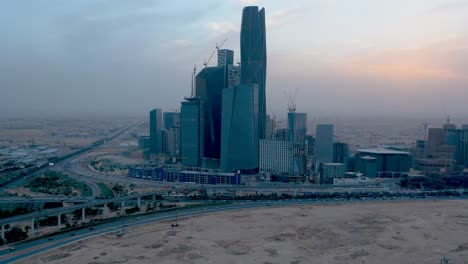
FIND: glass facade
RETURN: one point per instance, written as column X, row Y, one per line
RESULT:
column 239, row 138
column 155, row 131
column 210, row 82
column 297, row 127
column 191, row 132
column 171, row 119
column 324, row 143
column 254, row 58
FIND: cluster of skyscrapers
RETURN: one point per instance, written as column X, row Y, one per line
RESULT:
column 221, row 123
column 223, row 126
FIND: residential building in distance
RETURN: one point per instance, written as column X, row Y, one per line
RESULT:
column 254, row 57
column 240, row 137
column 324, row 143
column 191, row 138
column 155, row 124
column 297, row 127
column 270, row 128
column 330, row 171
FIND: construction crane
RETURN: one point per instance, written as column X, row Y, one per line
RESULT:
column 213, row 53
column 292, row 101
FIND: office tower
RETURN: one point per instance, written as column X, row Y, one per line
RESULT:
column 225, row 57
column 165, row 142
column 324, row 143
column 173, row 135
column 276, row 156
column 191, row 115
column 330, row 171
column 210, row 82
column 281, row 134
column 270, row 128
column 459, row 140
column 310, row 145
column 171, row 119
column 340, row 153
column 253, row 57
column 233, row 75
column 155, row 131
column 435, row 138
column 239, row 137
column 297, row 127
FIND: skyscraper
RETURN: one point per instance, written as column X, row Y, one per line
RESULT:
column 239, row 137
column 225, row 57
column 324, row 143
column 171, row 119
column 340, row 153
column 297, row 127
column 210, row 83
column 253, row 57
column 191, row 114
column 155, row 131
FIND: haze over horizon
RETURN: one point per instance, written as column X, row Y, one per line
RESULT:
column 125, row 57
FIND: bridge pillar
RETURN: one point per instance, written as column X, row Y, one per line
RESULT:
column 154, row 199
column 122, row 206
column 32, row 227
column 3, row 232
column 139, row 202
column 83, row 213
column 59, row 220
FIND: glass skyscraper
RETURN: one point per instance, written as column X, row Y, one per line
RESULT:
column 239, row 138
column 324, row 143
column 210, row 82
column 191, row 132
column 297, row 127
column 253, row 57
column 171, row 119
column 155, row 122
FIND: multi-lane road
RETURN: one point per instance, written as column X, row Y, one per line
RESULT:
column 31, row 248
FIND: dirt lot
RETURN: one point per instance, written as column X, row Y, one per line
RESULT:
column 379, row 232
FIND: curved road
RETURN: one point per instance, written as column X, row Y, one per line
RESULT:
column 31, row 248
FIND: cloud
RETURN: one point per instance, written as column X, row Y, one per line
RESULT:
column 281, row 17
column 223, row 27
column 183, row 43
column 450, row 6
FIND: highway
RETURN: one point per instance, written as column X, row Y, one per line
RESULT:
column 30, row 248
column 19, row 182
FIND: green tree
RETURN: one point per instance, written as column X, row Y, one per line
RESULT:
column 15, row 234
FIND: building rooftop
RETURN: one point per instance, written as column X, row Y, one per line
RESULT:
column 383, row 151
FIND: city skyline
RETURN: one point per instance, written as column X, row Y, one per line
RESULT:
column 351, row 56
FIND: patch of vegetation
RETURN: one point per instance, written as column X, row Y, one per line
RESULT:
column 56, row 183
column 106, row 191
column 15, row 234
column 14, row 212
column 119, row 189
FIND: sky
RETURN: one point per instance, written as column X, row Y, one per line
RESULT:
column 360, row 57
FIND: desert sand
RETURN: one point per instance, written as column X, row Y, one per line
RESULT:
column 373, row 232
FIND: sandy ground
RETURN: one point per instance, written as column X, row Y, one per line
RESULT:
column 378, row 232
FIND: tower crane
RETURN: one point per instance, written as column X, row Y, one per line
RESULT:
column 214, row 51
column 292, row 101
